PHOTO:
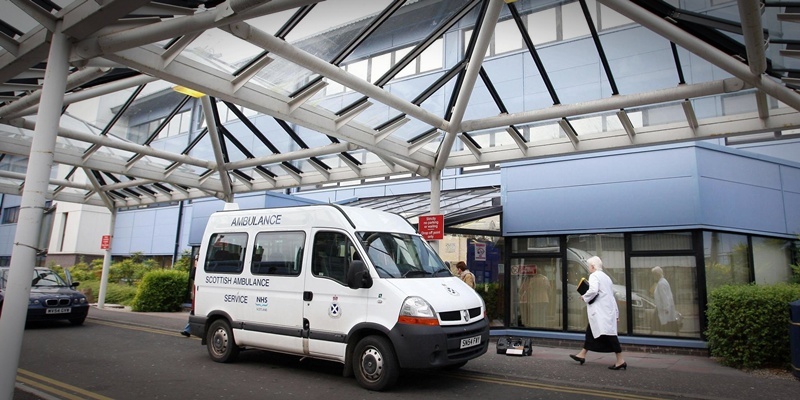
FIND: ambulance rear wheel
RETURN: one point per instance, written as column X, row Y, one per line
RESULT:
column 375, row 364
column 221, row 345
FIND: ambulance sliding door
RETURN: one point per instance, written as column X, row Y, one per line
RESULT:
column 275, row 312
column 332, row 308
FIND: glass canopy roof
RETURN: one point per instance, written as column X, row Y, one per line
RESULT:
column 304, row 93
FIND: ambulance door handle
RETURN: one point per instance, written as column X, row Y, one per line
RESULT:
column 307, row 296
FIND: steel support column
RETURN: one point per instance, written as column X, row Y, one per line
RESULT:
column 213, row 134
column 23, row 254
column 470, row 76
column 436, row 199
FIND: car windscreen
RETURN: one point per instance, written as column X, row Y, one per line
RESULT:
column 42, row 277
column 396, row 255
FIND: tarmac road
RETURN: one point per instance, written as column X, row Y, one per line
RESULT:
column 120, row 354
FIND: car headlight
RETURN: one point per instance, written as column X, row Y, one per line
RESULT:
column 35, row 301
column 417, row 311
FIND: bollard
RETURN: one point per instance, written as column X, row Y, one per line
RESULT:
column 794, row 336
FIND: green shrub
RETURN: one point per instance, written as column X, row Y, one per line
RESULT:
column 184, row 262
column 87, row 272
column 161, row 290
column 490, row 292
column 131, row 270
column 115, row 293
column 748, row 325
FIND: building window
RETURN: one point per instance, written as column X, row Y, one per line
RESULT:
column 542, row 27
column 664, row 296
column 611, row 249
column 771, row 260
column 11, row 215
column 535, row 276
column 726, row 259
column 573, row 23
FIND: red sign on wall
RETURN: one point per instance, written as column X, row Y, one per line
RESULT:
column 431, row 227
column 105, row 242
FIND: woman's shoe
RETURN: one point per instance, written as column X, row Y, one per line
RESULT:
column 624, row 366
column 578, row 359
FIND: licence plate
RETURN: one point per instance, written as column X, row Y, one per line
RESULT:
column 469, row 342
column 61, row 310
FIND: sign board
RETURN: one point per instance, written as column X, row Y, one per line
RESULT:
column 480, row 251
column 105, row 242
column 431, row 227
column 524, row 269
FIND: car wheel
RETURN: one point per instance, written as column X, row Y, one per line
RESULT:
column 221, row 345
column 375, row 365
column 77, row 321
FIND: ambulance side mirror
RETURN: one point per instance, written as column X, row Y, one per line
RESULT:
column 358, row 275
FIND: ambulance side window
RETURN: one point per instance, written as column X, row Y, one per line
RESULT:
column 278, row 253
column 226, row 253
column 331, row 256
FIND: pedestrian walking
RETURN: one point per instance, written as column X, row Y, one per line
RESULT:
column 601, row 333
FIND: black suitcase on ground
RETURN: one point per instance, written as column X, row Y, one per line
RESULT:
column 512, row 345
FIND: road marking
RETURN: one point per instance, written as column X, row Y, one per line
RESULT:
column 55, row 387
column 138, row 328
column 553, row 388
column 467, row 376
column 69, row 392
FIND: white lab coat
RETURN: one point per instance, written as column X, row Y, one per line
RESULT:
column 665, row 305
column 603, row 312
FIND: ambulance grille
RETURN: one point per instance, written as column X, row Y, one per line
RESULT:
column 458, row 316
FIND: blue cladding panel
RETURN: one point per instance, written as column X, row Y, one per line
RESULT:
column 734, row 205
column 165, row 230
column 742, row 169
column 668, row 187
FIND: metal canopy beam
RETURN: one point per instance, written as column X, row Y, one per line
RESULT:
column 618, row 102
column 217, row 84
column 704, row 50
column 781, row 119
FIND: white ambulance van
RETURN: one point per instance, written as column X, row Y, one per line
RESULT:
column 346, row 284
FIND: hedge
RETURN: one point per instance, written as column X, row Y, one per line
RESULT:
column 748, row 325
column 161, row 291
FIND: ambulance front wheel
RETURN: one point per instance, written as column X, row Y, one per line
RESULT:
column 221, row 345
column 375, row 364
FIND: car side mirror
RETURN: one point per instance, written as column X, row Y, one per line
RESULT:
column 358, row 275
column 74, row 284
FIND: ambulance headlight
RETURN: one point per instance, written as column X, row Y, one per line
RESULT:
column 417, row 311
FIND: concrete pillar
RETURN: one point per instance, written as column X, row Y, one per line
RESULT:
column 101, row 296
column 23, row 254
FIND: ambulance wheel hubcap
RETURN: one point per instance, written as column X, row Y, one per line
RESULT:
column 220, row 341
column 372, row 364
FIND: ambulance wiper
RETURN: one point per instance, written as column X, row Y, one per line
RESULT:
column 415, row 272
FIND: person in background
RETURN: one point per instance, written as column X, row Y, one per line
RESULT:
column 601, row 334
column 186, row 332
column 665, row 304
column 465, row 274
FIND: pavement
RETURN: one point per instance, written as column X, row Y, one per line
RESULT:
column 648, row 374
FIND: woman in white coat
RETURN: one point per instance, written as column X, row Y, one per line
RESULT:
column 601, row 334
column 665, row 304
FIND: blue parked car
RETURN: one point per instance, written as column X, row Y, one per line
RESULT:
column 51, row 297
